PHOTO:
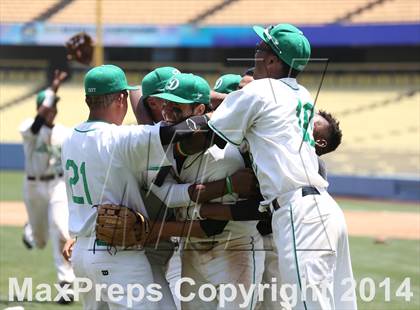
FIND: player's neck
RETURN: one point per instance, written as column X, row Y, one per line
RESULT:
column 157, row 116
column 102, row 115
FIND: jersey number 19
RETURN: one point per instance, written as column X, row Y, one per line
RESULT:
column 304, row 113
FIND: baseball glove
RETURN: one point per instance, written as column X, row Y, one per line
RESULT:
column 121, row 226
column 80, row 48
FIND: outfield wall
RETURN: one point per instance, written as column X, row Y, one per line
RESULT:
column 155, row 36
column 11, row 156
column 408, row 189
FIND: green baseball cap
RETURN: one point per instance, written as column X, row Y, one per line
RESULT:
column 105, row 79
column 186, row 88
column 288, row 42
column 227, row 83
column 154, row 82
column 41, row 96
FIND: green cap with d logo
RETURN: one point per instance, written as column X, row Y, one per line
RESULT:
column 288, row 43
column 105, row 79
column 186, row 88
column 154, row 82
column 227, row 83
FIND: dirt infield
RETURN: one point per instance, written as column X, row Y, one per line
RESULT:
column 384, row 224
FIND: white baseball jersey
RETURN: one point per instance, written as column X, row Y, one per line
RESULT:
column 235, row 250
column 104, row 163
column 273, row 116
column 212, row 165
column 46, row 200
column 43, row 150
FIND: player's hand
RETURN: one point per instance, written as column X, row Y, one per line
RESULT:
column 68, row 249
column 59, row 77
column 245, row 183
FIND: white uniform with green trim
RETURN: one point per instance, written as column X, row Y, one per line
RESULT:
column 46, row 200
column 309, row 232
column 104, row 163
column 235, row 255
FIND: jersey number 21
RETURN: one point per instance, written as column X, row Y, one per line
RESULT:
column 70, row 164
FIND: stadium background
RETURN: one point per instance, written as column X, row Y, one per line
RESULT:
column 371, row 85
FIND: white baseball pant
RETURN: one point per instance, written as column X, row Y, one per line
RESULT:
column 271, row 276
column 173, row 275
column 48, row 215
column 159, row 259
column 238, row 261
column 310, row 235
column 124, row 268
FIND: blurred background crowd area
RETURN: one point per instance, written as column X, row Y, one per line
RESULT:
column 368, row 49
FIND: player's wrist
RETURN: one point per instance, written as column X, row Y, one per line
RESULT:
column 49, row 99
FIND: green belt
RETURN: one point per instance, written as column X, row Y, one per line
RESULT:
column 101, row 243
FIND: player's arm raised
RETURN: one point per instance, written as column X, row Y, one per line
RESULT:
column 49, row 101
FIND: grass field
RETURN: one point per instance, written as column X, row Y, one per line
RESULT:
column 17, row 261
column 11, row 185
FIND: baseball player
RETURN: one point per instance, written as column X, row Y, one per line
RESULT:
column 44, row 189
column 274, row 115
column 148, row 109
column 233, row 248
column 327, row 136
column 159, row 256
column 227, row 83
column 103, row 163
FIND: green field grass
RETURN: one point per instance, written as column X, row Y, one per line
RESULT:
column 396, row 260
column 376, row 205
column 17, row 261
column 11, row 185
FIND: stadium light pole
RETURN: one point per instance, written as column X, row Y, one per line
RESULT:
column 99, row 48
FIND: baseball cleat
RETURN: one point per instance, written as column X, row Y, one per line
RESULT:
column 27, row 239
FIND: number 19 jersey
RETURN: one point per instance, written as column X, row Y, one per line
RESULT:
column 273, row 116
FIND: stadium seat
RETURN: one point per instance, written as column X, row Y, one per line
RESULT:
column 396, row 11
column 242, row 12
column 147, row 12
column 23, row 11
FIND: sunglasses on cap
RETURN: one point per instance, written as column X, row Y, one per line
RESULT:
column 274, row 42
